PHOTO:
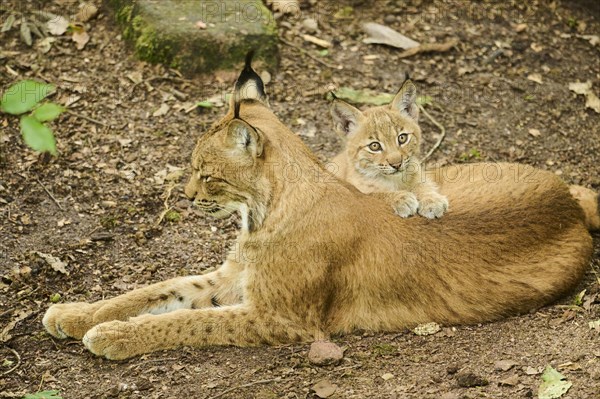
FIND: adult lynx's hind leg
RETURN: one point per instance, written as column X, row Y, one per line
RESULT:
column 213, row 289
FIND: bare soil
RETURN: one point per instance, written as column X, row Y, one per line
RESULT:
column 112, row 182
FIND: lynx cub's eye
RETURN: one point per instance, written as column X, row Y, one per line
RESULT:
column 375, row 146
column 403, row 138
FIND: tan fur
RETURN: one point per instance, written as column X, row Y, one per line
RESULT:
column 317, row 257
column 393, row 171
column 590, row 202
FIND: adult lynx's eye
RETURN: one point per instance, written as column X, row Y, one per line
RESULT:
column 375, row 146
column 403, row 138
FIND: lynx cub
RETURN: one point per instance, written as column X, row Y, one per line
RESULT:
column 382, row 154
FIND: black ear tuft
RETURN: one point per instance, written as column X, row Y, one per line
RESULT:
column 249, row 86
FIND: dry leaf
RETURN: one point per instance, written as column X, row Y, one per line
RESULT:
column 430, row 47
column 536, row 47
column 26, row 32
column 324, row 389
column 510, row 381
column 16, row 317
column 387, row 376
column 317, row 41
column 86, row 12
column 164, row 108
column 45, row 44
column 520, row 27
column 535, row 77
column 380, row 34
column 591, row 100
column 58, row 26
column 535, row 132
column 81, row 38
column 55, row 263
column 593, row 39
column 581, row 88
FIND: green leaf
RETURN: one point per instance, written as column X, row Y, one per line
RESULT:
column 205, row 104
column 37, row 136
column 324, row 53
column 47, row 112
column 43, row 395
column 23, row 96
column 363, row 96
column 554, row 385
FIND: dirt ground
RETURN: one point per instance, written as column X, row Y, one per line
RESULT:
column 97, row 206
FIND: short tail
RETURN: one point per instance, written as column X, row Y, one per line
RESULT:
column 590, row 202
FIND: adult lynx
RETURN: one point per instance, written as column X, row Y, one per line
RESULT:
column 315, row 257
column 382, row 154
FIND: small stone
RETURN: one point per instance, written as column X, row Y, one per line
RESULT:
column 387, row 376
column 325, row 353
column 470, row 380
column 311, row 25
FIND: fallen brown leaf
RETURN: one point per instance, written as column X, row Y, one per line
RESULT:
column 430, row 47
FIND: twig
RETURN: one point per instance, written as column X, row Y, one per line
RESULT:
column 328, row 65
column 18, row 362
column 50, row 194
column 246, row 386
column 442, row 134
column 87, row 118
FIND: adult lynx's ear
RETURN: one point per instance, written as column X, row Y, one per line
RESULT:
column 405, row 101
column 243, row 138
column 249, row 86
column 346, row 118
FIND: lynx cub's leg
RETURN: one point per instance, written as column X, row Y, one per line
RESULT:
column 432, row 204
column 404, row 203
column 240, row 325
column 221, row 287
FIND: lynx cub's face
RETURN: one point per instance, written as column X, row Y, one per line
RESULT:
column 382, row 142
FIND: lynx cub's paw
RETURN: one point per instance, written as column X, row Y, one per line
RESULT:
column 70, row 320
column 405, row 204
column 433, row 206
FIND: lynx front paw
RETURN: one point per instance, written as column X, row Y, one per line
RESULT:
column 115, row 340
column 405, row 204
column 433, row 206
column 70, row 320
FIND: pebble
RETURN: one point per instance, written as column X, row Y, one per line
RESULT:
column 311, row 25
column 325, row 353
column 389, row 19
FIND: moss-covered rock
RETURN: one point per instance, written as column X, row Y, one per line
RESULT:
column 197, row 36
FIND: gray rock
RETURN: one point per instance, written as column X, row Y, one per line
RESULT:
column 198, row 36
column 325, row 353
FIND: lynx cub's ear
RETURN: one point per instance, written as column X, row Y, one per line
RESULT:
column 243, row 138
column 405, row 101
column 249, row 86
column 346, row 118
